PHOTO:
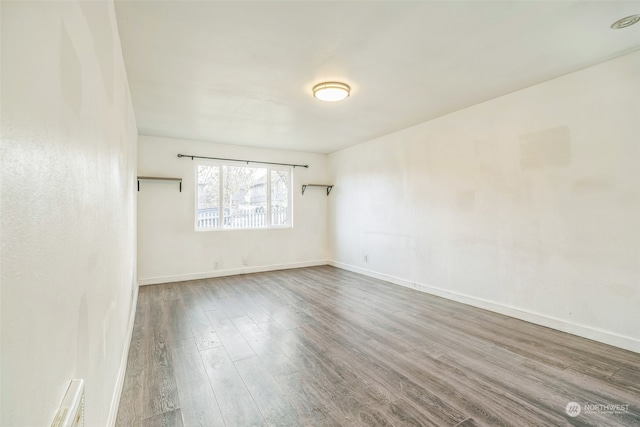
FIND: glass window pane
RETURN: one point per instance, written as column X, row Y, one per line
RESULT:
column 280, row 182
column 208, row 196
column 245, row 197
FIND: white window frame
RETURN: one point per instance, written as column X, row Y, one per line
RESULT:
column 221, row 207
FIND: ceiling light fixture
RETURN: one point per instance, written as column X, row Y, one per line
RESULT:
column 331, row 91
column 625, row 22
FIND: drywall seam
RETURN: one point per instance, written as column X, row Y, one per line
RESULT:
column 230, row 272
column 117, row 393
column 595, row 334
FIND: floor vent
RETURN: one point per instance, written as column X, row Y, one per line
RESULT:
column 71, row 412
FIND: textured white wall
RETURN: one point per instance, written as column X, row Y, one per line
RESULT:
column 68, row 208
column 170, row 250
column 528, row 204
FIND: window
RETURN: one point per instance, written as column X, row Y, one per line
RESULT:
column 242, row 197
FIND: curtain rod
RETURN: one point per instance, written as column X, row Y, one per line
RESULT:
column 244, row 161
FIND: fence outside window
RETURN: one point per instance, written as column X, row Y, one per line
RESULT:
column 209, row 218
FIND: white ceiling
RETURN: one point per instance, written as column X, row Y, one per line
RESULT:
column 241, row 72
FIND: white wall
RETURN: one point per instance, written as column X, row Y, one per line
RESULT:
column 68, row 208
column 528, row 204
column 170, row 250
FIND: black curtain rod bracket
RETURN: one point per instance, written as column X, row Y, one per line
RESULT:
column 242, row 160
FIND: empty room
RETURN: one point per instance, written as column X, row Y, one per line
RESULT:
column 320, row 213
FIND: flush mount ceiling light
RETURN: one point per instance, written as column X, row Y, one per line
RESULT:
column 625, row 22
column 331, row 91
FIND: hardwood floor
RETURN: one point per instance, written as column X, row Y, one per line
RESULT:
column 325, row 347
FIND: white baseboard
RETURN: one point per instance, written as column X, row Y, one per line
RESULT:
column 230, row 272
column 606, row 337
column 115, row 400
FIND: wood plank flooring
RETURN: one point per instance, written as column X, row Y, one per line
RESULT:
column 325, row 347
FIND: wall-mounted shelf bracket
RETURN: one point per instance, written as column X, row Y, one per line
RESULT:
column 159, row 178
column 328, row 187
